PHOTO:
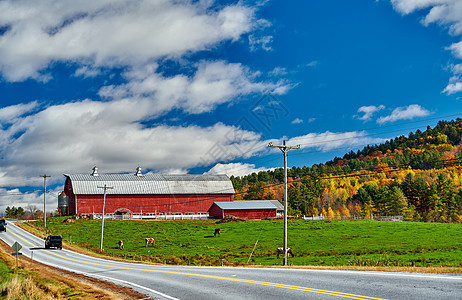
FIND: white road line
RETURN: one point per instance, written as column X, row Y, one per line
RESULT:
column 110, row 279
column 391, row 274
column 135, row 285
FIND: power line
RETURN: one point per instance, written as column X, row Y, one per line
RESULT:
column 304, row 153
column 257, row 160
column 333, row 175
column 371, row 171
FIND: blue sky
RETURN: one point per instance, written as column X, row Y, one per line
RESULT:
column 204, row 86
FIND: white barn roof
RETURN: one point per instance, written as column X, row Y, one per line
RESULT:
column 150, row 184
column 278, row 205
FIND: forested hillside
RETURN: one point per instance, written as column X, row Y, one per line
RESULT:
column 418, row 176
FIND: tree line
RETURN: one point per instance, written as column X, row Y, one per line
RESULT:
column 418, row 177
column 31, row 212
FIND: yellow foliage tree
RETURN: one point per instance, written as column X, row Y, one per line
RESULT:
column 315, row 212
column 338, row 215
column 345, row 211
column 330, row 213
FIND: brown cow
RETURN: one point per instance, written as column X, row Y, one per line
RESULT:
column 217, row 231
column 280, row 250
column 149, row 241
column 121, row 244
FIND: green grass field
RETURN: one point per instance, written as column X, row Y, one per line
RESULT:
column 5, row 273
column 331, row 243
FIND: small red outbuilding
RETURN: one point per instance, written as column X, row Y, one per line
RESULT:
column 253, row 209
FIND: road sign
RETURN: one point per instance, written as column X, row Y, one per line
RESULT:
column 16, row 247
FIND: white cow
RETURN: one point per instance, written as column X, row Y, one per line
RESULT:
column 280, row 250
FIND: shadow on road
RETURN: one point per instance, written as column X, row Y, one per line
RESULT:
column 43, row 248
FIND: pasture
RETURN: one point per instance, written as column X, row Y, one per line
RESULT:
column 325, row 243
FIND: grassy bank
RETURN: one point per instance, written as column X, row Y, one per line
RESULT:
column 40, row 282
column 317, row 243
column 26, row 284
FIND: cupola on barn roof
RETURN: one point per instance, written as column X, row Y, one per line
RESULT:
column 138, row 172
column 95, row 171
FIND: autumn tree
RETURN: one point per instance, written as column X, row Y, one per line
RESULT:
column 255, row 191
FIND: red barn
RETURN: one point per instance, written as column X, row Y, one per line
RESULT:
column 146, row 195
column 253, row 209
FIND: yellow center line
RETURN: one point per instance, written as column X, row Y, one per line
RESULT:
column 256, row 282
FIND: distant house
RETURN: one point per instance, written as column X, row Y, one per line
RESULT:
column 252, row 209
column 145, row 195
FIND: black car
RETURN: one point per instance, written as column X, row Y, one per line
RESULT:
column 2, row 225
column 54, row 241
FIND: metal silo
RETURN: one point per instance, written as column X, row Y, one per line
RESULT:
column 63, row 204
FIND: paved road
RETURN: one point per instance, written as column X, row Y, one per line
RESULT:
column 181, row 282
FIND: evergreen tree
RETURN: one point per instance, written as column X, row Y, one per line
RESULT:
column 398, row 202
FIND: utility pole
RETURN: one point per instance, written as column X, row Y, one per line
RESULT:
column 284, row 148
column 102, row 219
column 45, row 199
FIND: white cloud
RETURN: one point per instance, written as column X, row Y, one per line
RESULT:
column 263, row 42
column 369, row 111
column 235, row 169
column 16, row 198
column 453, row 88
column 312, row 64
column 212, row 84
column 87, row 72
column 456, row 69
column 404, row 113
column 447, row 13
column 73, row 137
column 409, row 6
column 136, row 36
column 297, row 121
column 456, row 49
column 329, row 140
column 10, row 114
column 110, row 33
column 455, row 82
column 278, row 71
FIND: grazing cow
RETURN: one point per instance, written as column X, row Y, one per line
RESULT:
column 280, row 250
column 217, row 231
column 121, row 244
column 149, row 241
